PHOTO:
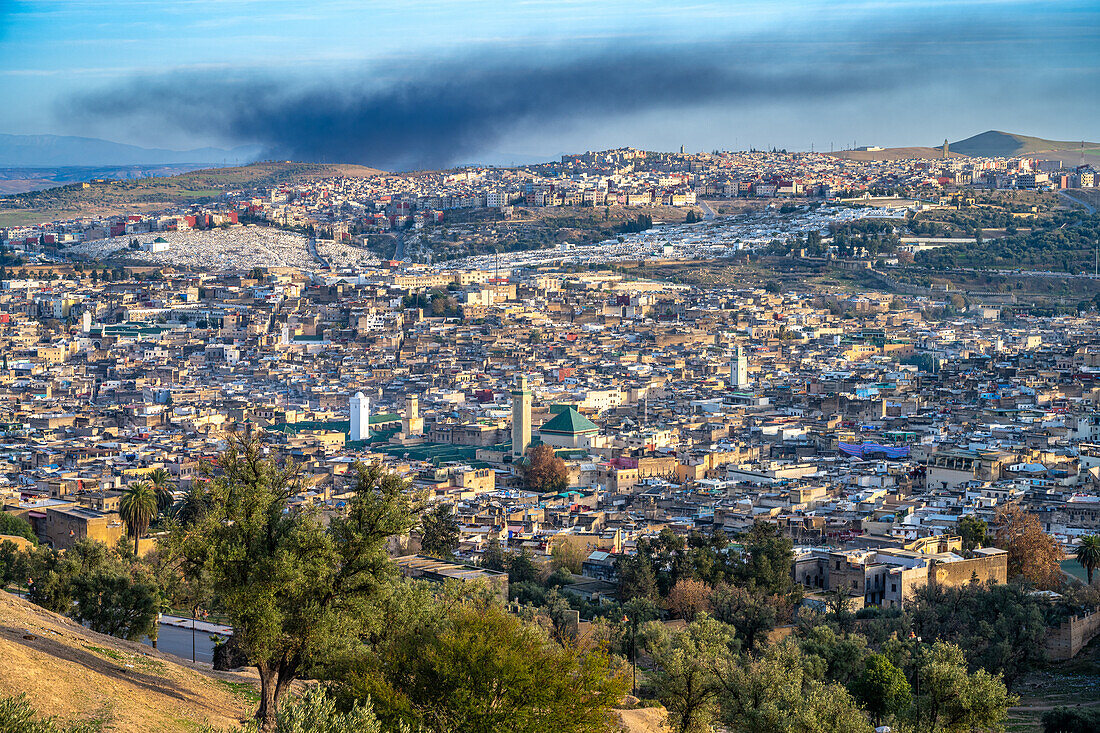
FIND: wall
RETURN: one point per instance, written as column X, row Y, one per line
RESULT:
column 1072, row 636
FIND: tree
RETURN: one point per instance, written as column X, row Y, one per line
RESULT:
column 1088, row 554
column 842, row 656
column 546, row 471
column 1032, row 553
column 439, row 531
column 521, row 568
column 316, row 712
column 494, row 557
column 15, row 526
column 568, row 555
column 688, row 598
column 161, row 482
column 292, row 589
column 882, row 689
column 112, row 600
column 951, row 700
column 778, row 691
column 636, row 579
column 686, row 679
column 1071, row 720
column 973, row 532
column 17, row 715
column 752, row 613
column 450, row 665
column 196, row 503
column 137, row 507
column 768, row 558
column 999, row 627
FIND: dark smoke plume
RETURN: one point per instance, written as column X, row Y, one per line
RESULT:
column 440, row 113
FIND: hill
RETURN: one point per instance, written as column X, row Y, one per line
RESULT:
column 49, row 151
column 148, row 195
column 76, row 674
column 894, row 154
column 997, row 144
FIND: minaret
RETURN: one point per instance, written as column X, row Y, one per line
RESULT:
column 945, row 148
column 360, row 417
column 739, row 369
column 521, row 417
column 414, row 424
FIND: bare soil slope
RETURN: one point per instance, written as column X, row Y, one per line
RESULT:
column 76, row 674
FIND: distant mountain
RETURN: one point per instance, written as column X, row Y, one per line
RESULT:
column 997, row 144
column 51, row 151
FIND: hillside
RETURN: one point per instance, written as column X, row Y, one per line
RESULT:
column 894, row 154
column 148, row 195
column 997, row 144
column 76, row 674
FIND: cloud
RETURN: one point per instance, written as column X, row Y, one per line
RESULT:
column 434, row 114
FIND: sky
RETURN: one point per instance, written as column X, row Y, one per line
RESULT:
column 429, row 83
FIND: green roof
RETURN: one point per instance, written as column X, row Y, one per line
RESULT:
column 569, row 422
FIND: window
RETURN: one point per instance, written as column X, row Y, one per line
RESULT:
column 893, row 587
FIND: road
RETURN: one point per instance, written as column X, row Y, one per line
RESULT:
column 1091, row 209
column 399, row 250
column 175, row 640
column 708, row 213
column 311, row 245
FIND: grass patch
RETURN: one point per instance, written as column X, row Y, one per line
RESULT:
column 126, row 658
column 243, row 690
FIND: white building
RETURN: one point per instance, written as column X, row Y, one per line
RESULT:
column 360, row 417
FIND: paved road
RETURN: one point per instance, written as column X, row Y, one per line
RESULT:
column 399, row 250
column 311, row 245
column 708, row 213
column 1091, row 209
column 175, row 640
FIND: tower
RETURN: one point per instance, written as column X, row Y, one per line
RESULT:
column 739, row 369
column 945, row 148
column 414, row 424
column 360, row 417
column 521, row 417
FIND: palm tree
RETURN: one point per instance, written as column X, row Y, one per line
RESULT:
column 194, row 505
column 162, row 487
column 1088, row 554
column 137, row 508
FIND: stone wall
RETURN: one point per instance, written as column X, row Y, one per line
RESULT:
column 1072, row 636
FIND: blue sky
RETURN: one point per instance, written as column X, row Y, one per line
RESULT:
column 922, row 71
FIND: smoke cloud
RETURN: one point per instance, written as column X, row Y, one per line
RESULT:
column 436, row 114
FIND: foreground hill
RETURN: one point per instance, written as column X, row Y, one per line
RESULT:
column 76, row 674
column 997, row 144
column 155, row 194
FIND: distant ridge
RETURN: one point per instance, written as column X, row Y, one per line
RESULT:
column 998, row 144
column 52, row 151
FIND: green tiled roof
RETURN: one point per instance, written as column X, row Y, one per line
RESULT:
column 569, row 422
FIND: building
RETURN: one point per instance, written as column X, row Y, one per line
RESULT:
column 739, row 369
column 360, row 417
column 521, row 417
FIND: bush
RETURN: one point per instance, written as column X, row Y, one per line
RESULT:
column 1071, row 720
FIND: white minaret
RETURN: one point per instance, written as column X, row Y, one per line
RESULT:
column 739, row 369
column 360, row 417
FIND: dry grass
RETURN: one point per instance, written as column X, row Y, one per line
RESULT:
column 76, row 674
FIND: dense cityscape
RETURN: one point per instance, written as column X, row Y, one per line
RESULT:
column 718, row 392
column 549, row 367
